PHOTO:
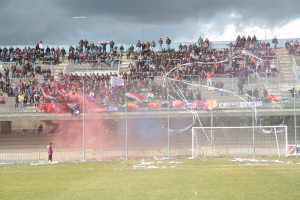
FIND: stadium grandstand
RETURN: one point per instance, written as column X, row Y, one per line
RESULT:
column 148, row 80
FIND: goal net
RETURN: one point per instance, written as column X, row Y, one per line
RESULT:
column 239, row 141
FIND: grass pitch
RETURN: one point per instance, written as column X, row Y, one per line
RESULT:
column 218, row 178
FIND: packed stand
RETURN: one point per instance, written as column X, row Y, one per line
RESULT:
column 96, row 56
column 32, row 55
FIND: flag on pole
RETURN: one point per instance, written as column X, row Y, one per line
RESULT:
column 135, row 96
column 87, row 97
column 103, row 90
column 45, row 94
column 57, row 84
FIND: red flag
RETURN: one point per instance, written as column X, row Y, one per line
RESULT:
column 45, row 106
column 135, row 96
column 176, row 104
column 131, row 104
column 153, row 104
column 103, row 90
column 271, row 97
column 58, row 107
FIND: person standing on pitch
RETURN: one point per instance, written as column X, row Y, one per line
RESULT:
column 50, row 152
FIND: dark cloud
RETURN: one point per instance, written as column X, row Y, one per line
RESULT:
column 27, row 22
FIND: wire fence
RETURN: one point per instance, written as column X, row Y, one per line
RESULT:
column 117, row 154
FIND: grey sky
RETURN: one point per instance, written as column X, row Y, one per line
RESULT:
column 28, row 22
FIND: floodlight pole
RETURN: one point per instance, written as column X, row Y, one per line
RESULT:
column 83, row 125
column 126, row 123
column 295, row 121
column 253, row 119
column 168, row 117
column 211, row 121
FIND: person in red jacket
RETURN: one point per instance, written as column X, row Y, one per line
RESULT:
column 2, row 99
column 208, row 76
column 50, row 152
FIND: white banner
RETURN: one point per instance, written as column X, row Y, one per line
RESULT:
column 229, row 105
column 116, row 80
column 249, row 104
column 1, row 67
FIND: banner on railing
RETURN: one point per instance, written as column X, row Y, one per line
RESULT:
column 116, row 80
column 72, row 107
column 206, row 104
column 153, row 104
column 177, row 104
column 131, row 104
column 143, row 105
column 99, row 109
column 250, row 104
column 165, row 104
column 45, row 106
column 191, row 105
column 229, row 105
column 112, row 109
column 58, row 107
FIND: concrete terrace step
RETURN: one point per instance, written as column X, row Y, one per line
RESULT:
column 284, row 59
column 285, row 62
column 285, row 65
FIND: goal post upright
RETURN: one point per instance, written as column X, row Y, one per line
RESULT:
column 193, row 147
column 286, row 146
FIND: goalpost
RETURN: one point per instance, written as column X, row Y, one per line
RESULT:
column 248, row 141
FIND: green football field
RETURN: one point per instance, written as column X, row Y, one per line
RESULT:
column 201, row 178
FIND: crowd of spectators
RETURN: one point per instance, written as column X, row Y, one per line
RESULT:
column 96, row 56
column 39, row 53
column 292, row 47
column 195, row 62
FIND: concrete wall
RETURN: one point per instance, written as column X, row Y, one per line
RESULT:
column 26, row 123
column 5, row 127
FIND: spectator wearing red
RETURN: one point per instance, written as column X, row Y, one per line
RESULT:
column 2, row 99
column 208, row 76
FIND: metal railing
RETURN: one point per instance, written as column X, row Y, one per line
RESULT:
column 218, row 76
column 65, row 69
column 43, row 64
column 12, row 80
column 9, row 65
column 157, row 153
column 296, row 70
column 219, row 46
column 271, row 58
column 91, row 65
column 272, row 78
column 145, row 61
column 10, row 109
